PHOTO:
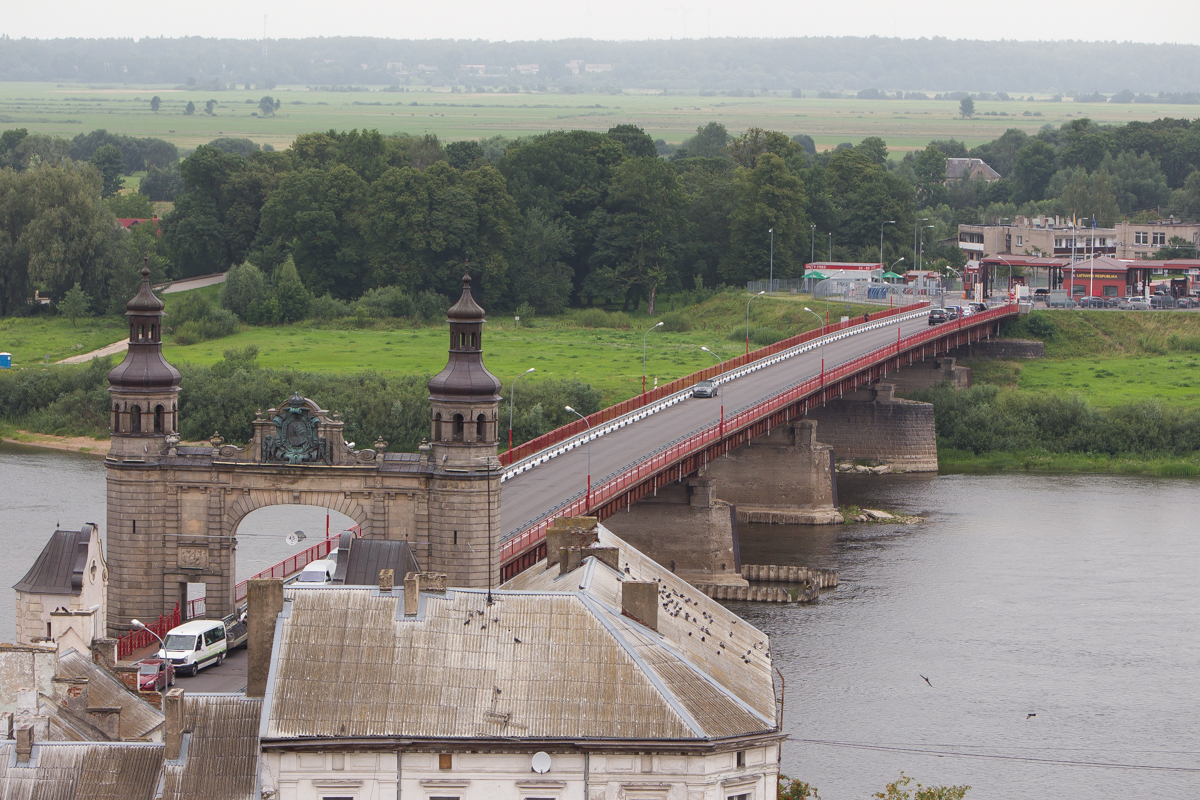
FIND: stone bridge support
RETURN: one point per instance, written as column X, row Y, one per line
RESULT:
column 873, row 425
column 686, row 528
column 783, row 476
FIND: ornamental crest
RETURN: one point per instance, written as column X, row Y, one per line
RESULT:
column 295, row 440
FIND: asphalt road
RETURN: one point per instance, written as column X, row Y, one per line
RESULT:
column 229, row 677
column 532, row 493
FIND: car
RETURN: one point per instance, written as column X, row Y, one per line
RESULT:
column 705, row 389
column 978, row 308
column 938, row 316
column 1162, row 301
column 1133, row 303
column 1092, row 302
column 952, row 313
column 320, row 571
column 1187, row 302
column 194, row 645
column 1061, row 302
column 155, row 674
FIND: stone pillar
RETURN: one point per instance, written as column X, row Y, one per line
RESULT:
column 460, row 536
column 264, row 601
column 137, row 526
column 876, row 427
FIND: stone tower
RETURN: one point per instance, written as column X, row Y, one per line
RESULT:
column 144, row 387
column 464, row 492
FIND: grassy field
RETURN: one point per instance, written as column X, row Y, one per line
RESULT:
column 960, row 461
column 34, row 340
column 67, row 109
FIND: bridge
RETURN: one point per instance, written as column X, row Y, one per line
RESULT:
column 664, row 436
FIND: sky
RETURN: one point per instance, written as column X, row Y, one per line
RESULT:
column 1172, row 21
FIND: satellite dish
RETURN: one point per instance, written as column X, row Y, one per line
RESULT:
column 541, row 762
column 296, row 538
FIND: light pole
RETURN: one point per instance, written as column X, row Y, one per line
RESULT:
column 887, row 222
column 818, row 316
column 658, row 325
column 141, row 627
column 512, row 400
column 1007, row 264
column 921, row 263
column 748, row 302
column 588, row 501
column 812, row 242
column 831, row 247
column 916, row 222
column 722, row 368
column 771, row 277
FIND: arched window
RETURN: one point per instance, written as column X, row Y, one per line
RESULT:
column 158, row 419
column 116, row 419
column 135, row 419
column 481, row 428
column 474, row 341
column 174, row 418
column 437, row 427
column 458, row 427
column 141, row 332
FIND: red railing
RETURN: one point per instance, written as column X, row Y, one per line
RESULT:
column 196, row 609
column 292, row 564
column 666, row 390
column 614, row 487
column 135, row 640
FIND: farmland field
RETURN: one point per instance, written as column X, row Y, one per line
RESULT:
column 66, row 110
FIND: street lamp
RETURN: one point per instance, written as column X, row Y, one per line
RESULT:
column 818, row 316
column 748, row 302
column 588, row 501
column 658, row 325
column 812, row 242
column 921, row 263
column 771, row 277
column 831, row 247
column 714, row 355
column 512, row 401
column 142, row 627
column 888, row 222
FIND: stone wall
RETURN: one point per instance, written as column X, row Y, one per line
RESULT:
column 1002, row 348
column 927, row 374
column 874, row 425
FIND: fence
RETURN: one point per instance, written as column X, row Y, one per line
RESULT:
column 577, row 427
column 292, row 564
column 606, row 490
column 196, row 609
column 135, row 640
column 779, row 285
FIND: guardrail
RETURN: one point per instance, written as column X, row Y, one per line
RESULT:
column 135, row 640
column 654, row 463
column 196, row 609
column 534, row 446
column 289, row 566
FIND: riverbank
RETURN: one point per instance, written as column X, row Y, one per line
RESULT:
column 964, row 462
column 85, row 445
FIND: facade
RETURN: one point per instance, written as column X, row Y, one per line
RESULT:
column 1057, row 237
column 65, row 589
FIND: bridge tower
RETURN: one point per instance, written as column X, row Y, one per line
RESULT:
column 464, row 489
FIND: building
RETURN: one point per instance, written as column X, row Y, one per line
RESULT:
column 63, row 595
column 1057, row 237
column 597, row 674
column 574, row 66
column 1110, row 277
column 527, row 69
column 958, row 169
column 598, row 68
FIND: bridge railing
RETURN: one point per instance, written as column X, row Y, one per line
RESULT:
column 137, row 639
column 293, row 564
column 656, row 462
column 666, row 390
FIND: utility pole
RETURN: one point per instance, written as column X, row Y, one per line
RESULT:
column 771, row 277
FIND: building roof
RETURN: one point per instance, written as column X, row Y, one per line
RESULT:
column 219, row 758
column 82, row 771
column 59, row 568
column 533, row 665
column 139, row 719
column 466, row 309
column 359, row 561
column 957, row 168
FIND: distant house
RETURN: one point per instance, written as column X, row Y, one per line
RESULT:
column 128, row 223
column 62, row 596
column 575, row 65
column 597, row 67
column 527, row 69
column 473, row 69
column 958, row 169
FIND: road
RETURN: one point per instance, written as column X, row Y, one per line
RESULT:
column 229, row 677
column 530, row 494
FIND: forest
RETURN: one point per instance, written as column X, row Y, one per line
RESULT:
column 810, row 64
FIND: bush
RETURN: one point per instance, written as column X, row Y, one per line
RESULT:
column 599, row 318
column 430, row 307
column 244, row 291
column 1184, row 342
column 387, row 302
column 760, row 336
column 327, row 307
column 676, row 322
column 218, row 325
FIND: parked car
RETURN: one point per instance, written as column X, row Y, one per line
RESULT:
column 1162, row 301
column 196, row 644
column 1061, row 302
column 937, row 316
column 704, row 389
column 978, row 308
column 1187, row 302
column 155, row 674
column 1134, row 303
column 320, row 571
column 1092, row 302
column 952, row 313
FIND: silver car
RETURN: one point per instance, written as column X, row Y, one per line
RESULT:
column 1134, row 303
column 704, row 389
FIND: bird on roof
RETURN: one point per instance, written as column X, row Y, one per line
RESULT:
column 1027, row 716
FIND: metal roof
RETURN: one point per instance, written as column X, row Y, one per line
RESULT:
column 360, row 560
column 220, row 758
column 60, row 566
column 531, row 665
column 139, row 719
column 84, row 771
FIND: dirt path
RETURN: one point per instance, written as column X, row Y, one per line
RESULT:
column 107, row 350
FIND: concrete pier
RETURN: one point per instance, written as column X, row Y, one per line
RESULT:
column 873, row 425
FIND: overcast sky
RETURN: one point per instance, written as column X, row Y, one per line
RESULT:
column 1107, row 20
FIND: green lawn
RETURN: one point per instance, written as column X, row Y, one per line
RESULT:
column 32, row 339
column 70, row 109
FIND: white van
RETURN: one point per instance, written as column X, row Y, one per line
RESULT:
column 195, row 645
column 320, row 571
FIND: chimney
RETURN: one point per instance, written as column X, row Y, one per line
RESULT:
column 71, row 693
column 24, row 743
column 104, row 653
column 412, row 593
column 639, row 601
column 567, row 531
column 387, row 580
column 264, row 601
column 609, row 555
column 173, row 723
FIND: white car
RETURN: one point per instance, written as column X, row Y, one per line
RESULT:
column 320, row 571
column 194, row 645
column 1135, row 303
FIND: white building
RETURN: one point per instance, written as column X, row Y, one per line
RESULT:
column 62, row 597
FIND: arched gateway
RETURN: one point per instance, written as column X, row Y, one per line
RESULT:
column 173, row 511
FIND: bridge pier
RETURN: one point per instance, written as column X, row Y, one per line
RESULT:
column 784, row 476
column 685, row 527
column 875, row 426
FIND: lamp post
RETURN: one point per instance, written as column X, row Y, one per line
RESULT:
column 916, row 222
column 818, row 316
column 142, row 627
column 748, row 302
column 657, row 325
column 921, row 262
column 831, row 247
column 771, row 276
column 512, row 400
column 886, row 222
column 722, row 362
column 588, row 500
column 812, row 242
column 1007, row 264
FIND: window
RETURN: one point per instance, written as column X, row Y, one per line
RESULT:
column 1141, row 237
column 481, row 428
column 445, row 761
column 1103, row 241
column 158, row 419
column 1079, row 289
column 1058, row 242
column 1020, row 241
column 1110, row 291
column 435, row 797
column 116, row 420
column 742, row 796
column 741, row 758
column 1160, row 237
column 458, row 427
column 437, row 427
column 135, row 419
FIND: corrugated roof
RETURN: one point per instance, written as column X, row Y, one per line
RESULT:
column 139, row 719
column 60, row 566
column 691, row 622
column 360, row 560
column 221, row 759
column 90, row 771
column 531, row 665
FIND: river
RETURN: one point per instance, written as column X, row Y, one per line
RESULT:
column 1073, row 598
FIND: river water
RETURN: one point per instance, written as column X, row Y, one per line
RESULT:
column 1074, row 598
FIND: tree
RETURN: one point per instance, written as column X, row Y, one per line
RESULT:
column 108, row 162
column 768, row 196
column 464, row 155
column 635, row 141
column 966, row 107
column 190, row 108
column 75, row 304
column 790, row 789
column 161, row 183
column 294, row 300
column 897, row 790
column 155, row 103
column 244, row 290
column 540, row 274
column 745, row 149
column 209, row 108
column 929, row 167
column 130, row 206
column 1033, row 169
column 709, row 142
column 1178, row 247
column 266, row 106
column 1138, row 182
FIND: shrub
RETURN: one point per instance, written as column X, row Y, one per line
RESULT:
column 1184, row 342
column 676, row 322
column 244, row 291
column 387, row 302
column 430, row 306
column 327, row 307
column 220, row 323
column 599, row 318
column 760, row 336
